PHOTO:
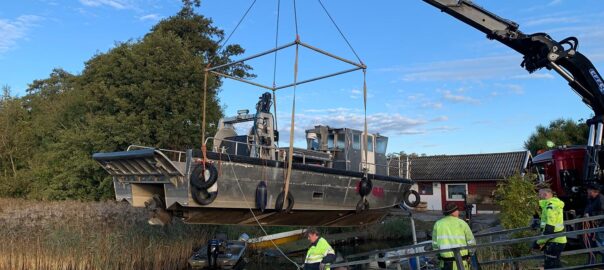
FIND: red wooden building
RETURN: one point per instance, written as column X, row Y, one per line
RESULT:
column 448, row 178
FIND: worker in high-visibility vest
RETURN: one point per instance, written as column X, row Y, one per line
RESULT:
column 451, row 232
column 552, row 221
column 320, row 254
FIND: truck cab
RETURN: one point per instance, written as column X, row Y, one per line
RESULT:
column 563, row 169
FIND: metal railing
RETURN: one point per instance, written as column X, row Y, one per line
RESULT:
column 457, row 250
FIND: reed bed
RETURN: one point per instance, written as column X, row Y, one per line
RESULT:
column 91, row 235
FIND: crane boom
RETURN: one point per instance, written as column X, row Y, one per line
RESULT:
column 541, row 51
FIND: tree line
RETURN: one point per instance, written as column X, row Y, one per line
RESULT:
column 146, row 92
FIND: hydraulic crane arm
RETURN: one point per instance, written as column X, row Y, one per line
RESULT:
column 539, row 49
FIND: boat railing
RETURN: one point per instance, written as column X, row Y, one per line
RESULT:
column 174, row 155
column 280, row 153
column 387, row 167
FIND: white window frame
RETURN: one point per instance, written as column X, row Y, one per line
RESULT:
column 456, row 184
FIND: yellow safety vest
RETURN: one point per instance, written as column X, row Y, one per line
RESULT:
column 552, row 213
column 452, row 232
column 317, row 252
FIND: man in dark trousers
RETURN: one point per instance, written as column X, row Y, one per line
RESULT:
column 552, row 221
column 595, row 207
column 320, row 254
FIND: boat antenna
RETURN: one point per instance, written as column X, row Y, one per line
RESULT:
column 275, row 69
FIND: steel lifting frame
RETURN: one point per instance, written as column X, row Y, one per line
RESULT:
column 357, row 66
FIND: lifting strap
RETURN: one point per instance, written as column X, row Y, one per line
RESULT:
column 365, row 124
column 291, row 128
column 203, row 116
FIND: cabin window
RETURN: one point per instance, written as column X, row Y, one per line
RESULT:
column 330, row 139
column 456, row 192
column 380, row 145
column 425, row 188
column 356, row 141
column 341, row 141
column 370, row 143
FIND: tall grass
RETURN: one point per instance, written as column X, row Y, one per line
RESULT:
column 91, row 235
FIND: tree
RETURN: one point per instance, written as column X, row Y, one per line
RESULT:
column 559, row 132
column 146, row 92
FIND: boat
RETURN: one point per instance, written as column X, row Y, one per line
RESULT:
column 240, row 179
column 220, row 253
column 268, row 241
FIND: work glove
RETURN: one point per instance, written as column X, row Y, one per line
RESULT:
column 321, row 266
column 537, row 246
column 535, row 223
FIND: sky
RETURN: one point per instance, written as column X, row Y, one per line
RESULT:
column 435, row 85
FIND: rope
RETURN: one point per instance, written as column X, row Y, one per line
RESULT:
column 365, row 124
column 254, row 215
column 296, row 18
column 275, row 69
column 587, row 238
column 341, row 33
column 237, row 26
column 203, row 117
column 276, row 44
column 291, row 131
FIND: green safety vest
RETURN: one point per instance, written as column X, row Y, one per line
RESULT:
column 552, row 213
column 316, row 252
column 452, row 232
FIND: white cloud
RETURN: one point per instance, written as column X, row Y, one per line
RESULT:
column 433, row 105
column 356, row 94
column 530, row 76
column 511, row 88
column 447, row 95
column 13, row 31
column 384, row 123
column 499, row 67
column 117, row 4
column 150, row 17
column 550, row 21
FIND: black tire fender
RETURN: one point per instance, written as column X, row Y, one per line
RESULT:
column 200, row 180
column 202, row 196
column 365, row 187
column 279, row 202
column 261, row 196
column 407, row 196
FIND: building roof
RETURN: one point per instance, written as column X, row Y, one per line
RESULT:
column 475, row 167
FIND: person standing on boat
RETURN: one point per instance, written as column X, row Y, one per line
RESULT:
column 320, row 254
column 552, row 221
column 451, row 232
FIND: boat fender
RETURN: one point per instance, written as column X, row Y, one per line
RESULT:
column 279, row 202
column 202, row 196
column 407, row 196
column 203, row 179
column 261, row 195
column 365, row 187
column 362, row 205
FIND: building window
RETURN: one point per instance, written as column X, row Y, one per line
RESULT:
column 425, row 188
column 456, row 192
column 356, row 141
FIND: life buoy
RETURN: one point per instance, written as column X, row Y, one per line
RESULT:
column 203, row 179
column 407, row 196
column 202, row 196
column 279, row 202
column 261, row 195
column 365, row 187
column 362, row 205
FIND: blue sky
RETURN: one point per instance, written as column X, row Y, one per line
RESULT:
column 436, row 86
